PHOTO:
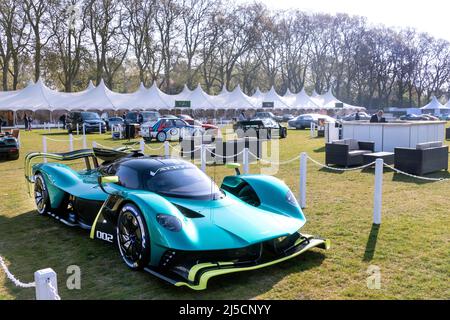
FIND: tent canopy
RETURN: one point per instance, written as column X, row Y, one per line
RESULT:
column 37, row 96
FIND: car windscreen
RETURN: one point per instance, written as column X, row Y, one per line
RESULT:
column 186, row 182
column 131, row 116
column 150, row 116
column 90, row 116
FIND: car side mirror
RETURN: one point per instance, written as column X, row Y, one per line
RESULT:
column 234, row 166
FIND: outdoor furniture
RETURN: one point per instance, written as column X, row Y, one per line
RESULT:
column 388, row 157
column 425, row 158
column 447, row 134
column 348, row 152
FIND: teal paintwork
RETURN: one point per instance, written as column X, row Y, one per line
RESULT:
column 227, row 223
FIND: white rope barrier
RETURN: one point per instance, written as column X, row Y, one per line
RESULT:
column 11, row 277
column 53, row 290
column 414, row 176
column 64, row 140
column 340, row 169
column 225, row 157
column 263, row 161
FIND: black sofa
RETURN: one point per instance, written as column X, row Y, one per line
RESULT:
column 447, row 133
column 347, row 152
column 425, row 158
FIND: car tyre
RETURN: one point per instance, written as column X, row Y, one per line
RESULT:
column 161, row 136
column 41, row 196
column 133, row 239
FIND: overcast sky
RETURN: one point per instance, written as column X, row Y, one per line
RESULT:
column 432, row 16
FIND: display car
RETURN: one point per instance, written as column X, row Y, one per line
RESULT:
column 134, row 117
column 9, row 146
column 261, row 128
column 267, row 115
column 90, row 120
column 304, row 121
column 168, row 217
column 169, row 129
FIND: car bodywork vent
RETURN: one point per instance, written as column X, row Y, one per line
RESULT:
column 188, row 213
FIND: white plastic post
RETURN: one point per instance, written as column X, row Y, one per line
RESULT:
column 245, row 160
column 84, row 129
column 94, row 144
column 84, row 142
column 42, row 278
column 142, row 145
column 203, row 157
column 166, row 149
column 312, row 128
column 78, row 129
column 302, row 188
column 70, row 142
column 100, row 128
column 44, row 147
column 378, row 195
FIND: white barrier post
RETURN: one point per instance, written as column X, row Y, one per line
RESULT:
column 78, row 129
column 378, row 195
column 142, row 145
column 84, row 129
column 46, row 285
column 44, row 147
column 166, row 149
column 302, row 188
column 203, row 157
column 70, row 142
column 312, row 129
column 100, row 128
column 84, row 142
column 245, row 159
column 94, row 144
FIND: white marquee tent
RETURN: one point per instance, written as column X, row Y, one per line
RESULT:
column 435, row 106
column 37, row 96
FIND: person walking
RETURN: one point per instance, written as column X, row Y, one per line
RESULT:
column 1, row 123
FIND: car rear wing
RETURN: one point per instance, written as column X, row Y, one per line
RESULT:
column 85, row 154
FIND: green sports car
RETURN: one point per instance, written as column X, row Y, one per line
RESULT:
column 168, row 217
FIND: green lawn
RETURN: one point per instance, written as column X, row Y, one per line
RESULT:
column 411, row 247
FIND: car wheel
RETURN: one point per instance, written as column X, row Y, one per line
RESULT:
column 133, row 238
column 283, row 132
column 148, row 139
column 269, row 134
column 161, row 136
column 41, row 196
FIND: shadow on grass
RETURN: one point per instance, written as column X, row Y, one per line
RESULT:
column 371, row 243
column 30, row 242
column 326, row 170
column 399, row 177
column 319, row 150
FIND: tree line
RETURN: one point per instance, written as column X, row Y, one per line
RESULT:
column 217, row 44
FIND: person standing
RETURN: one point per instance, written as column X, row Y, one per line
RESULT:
column 63, row 120
column 1, row 123
column 25, row 121
column 30, row 120
column 357, row 116
column 378, row 117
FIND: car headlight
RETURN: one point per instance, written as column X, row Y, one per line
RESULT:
column 169, row 222
column 290, row 198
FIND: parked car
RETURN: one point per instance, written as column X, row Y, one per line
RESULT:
column 304, row 121
column 114, row 121
column 90, row 120
column 168, row 129
column 271, row 127
column 134, row 117
column 267, row 115
column 9, row 146
column 351, row 117
column 194, row 122
column 429, row 117
column 287, row 117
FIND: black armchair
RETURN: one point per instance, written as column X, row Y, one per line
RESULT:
column 347, row 152
column 425, row 158
column 447, row 134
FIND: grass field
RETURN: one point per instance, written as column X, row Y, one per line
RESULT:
column 411, row 247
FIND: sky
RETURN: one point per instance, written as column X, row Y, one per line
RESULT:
column 431, row 16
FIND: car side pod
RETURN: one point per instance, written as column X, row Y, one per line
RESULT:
column 200, row 274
